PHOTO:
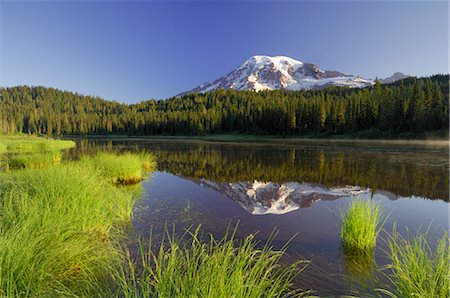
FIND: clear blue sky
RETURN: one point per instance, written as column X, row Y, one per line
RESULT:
column 131, row 51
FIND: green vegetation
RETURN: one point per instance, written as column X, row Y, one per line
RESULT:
column 33, row 160
column 24, row 151
column 410, row 107
column 126, row 168
column 360, row 227
column 215, row 268
column 59, row 224
column 21, row 143
column 417, row 270
column 56, row 229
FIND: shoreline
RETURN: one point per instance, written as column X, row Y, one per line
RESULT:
column 234, row 138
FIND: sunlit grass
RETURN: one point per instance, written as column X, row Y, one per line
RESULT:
column 416, row 269
column 361, row 225
column 20, row 143
column 125, row 168
column 57, row 228
column 191, row 267
column 33, row 160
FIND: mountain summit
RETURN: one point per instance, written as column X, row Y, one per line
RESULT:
column 279, row 72
column 394, row 78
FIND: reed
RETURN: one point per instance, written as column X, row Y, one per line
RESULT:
column 34, row 160
column 124, row 169
column 417, row 270
column 213, row 268
column 58, row 228
column 361, row 225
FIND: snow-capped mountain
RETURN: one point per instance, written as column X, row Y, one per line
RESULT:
column 261, row 198
column 394, row 78
column 280, row 72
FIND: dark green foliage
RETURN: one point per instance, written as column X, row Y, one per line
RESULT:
column 411, row 105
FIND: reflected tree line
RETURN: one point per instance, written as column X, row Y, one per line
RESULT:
column 232, row 163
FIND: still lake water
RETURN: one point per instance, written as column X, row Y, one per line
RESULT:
column 297, row 188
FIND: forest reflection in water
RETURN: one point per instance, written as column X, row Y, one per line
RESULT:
column 401, row 170
column 297, row 189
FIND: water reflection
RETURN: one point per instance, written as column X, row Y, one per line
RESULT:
column 181, row 201
column 361, row 272
column 400, row 170
column 261, row 198
column 215, row 184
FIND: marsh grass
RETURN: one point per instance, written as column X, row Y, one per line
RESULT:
column 416, row 270
column 58, row 227
column 123, row 169
column 361, row 225
column 22, row 143
column 59, row 232
column 195, row 267
column 35, row 160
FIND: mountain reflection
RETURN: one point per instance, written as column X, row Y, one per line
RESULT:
column 402, row 171
column 273, row 198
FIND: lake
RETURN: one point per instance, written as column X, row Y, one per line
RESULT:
column 297, row 188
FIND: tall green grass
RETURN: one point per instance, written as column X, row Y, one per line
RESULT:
column 22, row 143
column 416, row 269
column 125, row 168
column 59, row 232
column 34, row 160
column 361, row 225
column 57, row 228
column 213, row 268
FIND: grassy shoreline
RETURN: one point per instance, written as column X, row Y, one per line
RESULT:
column 62, row 233
column 25, row 143
column 62, row 225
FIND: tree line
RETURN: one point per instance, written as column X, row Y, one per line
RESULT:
column 413, row 105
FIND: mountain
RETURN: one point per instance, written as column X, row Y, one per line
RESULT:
column 394, row 78
column 280, row 72
column 261, row 198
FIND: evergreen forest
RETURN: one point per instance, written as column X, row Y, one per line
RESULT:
column 413, row 105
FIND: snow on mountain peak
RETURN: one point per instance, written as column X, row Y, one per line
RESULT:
column 261, row 60
column 261, row 72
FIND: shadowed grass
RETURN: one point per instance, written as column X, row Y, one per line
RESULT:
column 125, row 168
column 22, row 143
column 214, row 268
column 417, row 270
column 361, row 224
column 57, row 228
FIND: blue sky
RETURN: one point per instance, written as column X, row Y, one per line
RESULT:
column 131, row 51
